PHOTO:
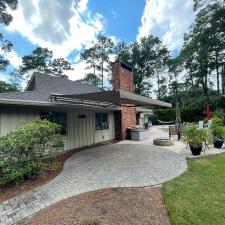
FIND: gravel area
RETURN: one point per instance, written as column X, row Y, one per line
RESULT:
column 117, row 206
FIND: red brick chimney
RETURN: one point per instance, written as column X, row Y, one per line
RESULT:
column 122, row 79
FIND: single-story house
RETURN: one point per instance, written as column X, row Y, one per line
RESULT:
column 87, row 114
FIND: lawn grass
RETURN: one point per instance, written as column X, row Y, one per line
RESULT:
column 198, row 196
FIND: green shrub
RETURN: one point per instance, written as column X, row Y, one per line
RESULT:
column 217, row 130
column 217, row 120
column 154, row 119
column 195, row 136
column 192, row 114
column 187, row 114
column 221, row 102
column 165, row 114
column 22, row 151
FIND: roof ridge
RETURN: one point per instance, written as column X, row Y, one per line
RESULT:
column 52, row 76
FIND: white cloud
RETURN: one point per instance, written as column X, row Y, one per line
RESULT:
column 62, row 26
column 13, row 58
column 82, row 5
column 2, row 77
column 78, row 72
column 167, row 19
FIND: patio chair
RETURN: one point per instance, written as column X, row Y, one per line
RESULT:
column 173, row 131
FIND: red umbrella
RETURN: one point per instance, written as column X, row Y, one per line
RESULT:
column 208, row 112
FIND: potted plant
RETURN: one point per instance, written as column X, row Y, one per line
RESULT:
column 217, row 120
column 218, row 133
column 195, row 137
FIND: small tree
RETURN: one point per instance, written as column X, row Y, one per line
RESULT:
column 41, row 60
column 59, row 66
column 98, row 56
column 38, row 61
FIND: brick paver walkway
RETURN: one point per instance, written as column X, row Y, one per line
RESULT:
column 116, row 165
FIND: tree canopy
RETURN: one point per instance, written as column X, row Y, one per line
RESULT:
column 149, row 59
column 41, row 60
column 7, row 87
column 194, row 77
column 5, row 18
column 97, row 58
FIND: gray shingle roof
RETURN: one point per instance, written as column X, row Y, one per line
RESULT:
column 46, row 85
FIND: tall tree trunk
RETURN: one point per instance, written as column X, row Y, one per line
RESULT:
column 192, row 81
column 223, row 79
column 176, row 89
column 139, row 81
column 206, row 86
column 102, row 74
column 217, row 74
column 204, row 72
column 158, row 84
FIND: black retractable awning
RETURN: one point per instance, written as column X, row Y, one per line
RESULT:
column 108, row 98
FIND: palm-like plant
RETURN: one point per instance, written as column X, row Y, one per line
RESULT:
column 195, row 136
column 218, row 131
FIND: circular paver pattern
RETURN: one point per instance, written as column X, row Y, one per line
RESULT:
column 125, row 165
column 116, row 165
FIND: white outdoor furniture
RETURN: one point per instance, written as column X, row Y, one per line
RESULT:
column 139, row 134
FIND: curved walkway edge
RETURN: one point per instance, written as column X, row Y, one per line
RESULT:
column 116, row 165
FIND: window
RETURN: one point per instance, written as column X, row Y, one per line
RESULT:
column 56, row 117
column 101, row 121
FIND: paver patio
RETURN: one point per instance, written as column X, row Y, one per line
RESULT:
column 124, row 164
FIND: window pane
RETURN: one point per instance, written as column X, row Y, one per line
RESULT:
column 98, row 125
column 61, row 119
column 101, row 121
column 47, row 116
column 104, row 121
column 56, row 117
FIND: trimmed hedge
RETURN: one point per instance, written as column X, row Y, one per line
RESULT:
column 187, row 115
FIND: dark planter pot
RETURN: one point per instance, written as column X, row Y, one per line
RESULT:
column 218, row 143
column 196, row 150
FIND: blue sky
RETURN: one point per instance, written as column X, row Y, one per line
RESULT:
column 123, row 18
column 66, row 26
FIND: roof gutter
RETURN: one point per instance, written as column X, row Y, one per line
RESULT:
column 115, row 97
column 53, row 104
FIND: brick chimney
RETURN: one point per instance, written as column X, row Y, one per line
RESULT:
column 122, row 79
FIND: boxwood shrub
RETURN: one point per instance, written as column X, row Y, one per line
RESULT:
column 22, row 151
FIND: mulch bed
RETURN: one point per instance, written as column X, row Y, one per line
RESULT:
column 13, row 190
column 117, row 206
